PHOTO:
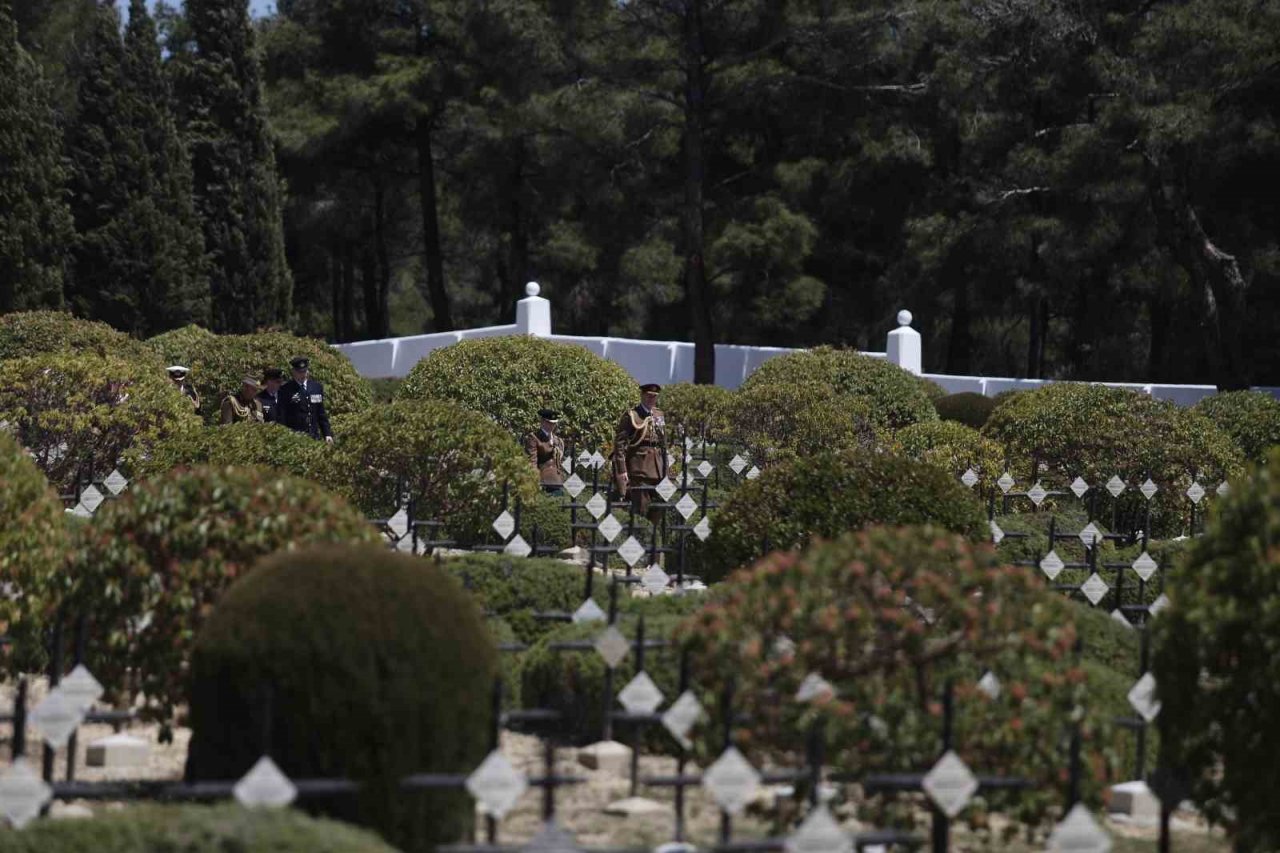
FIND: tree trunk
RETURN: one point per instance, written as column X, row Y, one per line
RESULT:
column 1035, row 339
column 518, row 264
column 1160, row 314
column 383, row 329
column 1214, row 273
column 960, row 343
column 437, row 296
column 695, row 273
column 369, row 285
column 348, row 292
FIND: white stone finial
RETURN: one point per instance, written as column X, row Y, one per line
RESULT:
column 904, row 317
column 532, row 289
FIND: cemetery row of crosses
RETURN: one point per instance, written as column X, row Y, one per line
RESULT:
column 630, row 645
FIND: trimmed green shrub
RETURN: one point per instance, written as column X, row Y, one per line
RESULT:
column 192, row 829
column 545, row 512
column 384, row 390
column 508, row 662
column 697, row 411
column 894, row 397
column 263, row 445
column 377, row 666
column 953, row 447
column 508, row 379
column 888, row 616
column 218, row 362
column 78, row 414
column 149, row 567
column 1250, row 418
column 780, row 422
column 967, row 407
column 825, row 494
column 1217, row 665
column 33, row 541
column 572, row 681
column 515, row 588
column 29, row 333
column 452, row 462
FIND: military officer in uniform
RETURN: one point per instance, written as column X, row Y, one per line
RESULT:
column 545, row 450
column 269, row 396
column 178, row 376
column 243, row 407
column 640, row 451
column 301, row 406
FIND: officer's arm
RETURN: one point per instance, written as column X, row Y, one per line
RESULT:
column 323, row 417
column 531, row 448
column 620, row 442
column 227, row 417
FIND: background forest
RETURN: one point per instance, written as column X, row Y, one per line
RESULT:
column 1074, row 189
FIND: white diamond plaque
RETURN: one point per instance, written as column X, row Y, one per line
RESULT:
column 1078, row 832
column 115, row 482
column 1091, row 535
column 1196, row 492
column 1159, row 604
column 1052, row 565
column 551, row 839
column 81, row 688
column 1079, row 487
column 504, row 525
column 597, row 461
column 1005, row 482
column 265, row 786
column 1148, row 489
column 1144, row 566
column 609, row 528
column 681, row 717
column 631, row 551
column 1119, row 617
column 641, row 695
column 1223, row 488
column 654, row 579
column 686, row 506
column 597, row 505
column 1142, row 696
column 950, row 784
column 517, row 547
column 705, row 468
column 612, row 646
column 819, row 833
column 399, row 523
column 1037, row 494
column 92, row 498
column 996, row 533
column 737, row 464
column 990, row 685
column 588, row 611
column 1115, row 485
column 1094, row 588
column 665, row 488
column 81, row 511
column 702, row 529
column 753, row 472
column 813, row 688
column 969, row 478
column 22, row 793
column 731, row 781
column 496, row 785
column 574, row 485
column 57, row 717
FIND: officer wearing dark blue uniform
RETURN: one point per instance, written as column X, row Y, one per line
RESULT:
column 301, row 406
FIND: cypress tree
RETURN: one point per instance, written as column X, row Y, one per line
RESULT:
column 35, row 226
column 238, row 191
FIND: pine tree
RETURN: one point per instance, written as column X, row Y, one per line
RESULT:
column 237, row 189
column 35, row 226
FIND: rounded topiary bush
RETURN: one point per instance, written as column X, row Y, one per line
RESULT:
column 1250, row 418
column 969, row 408
column 149, row 567
column 29, row 333
column 953, row 447
column 264, row 445
column 218, row 362
column 894, row 397
column 79, row 413
column 696, row 411
column 508, row 379
column 1217, row 665
column 193, row 829
column 779, row 422
column 887, row 616
column 514, row 589
column 377, row 666
column 453, row 463
column 33, row 541
column 543, row 513
column 826, row 494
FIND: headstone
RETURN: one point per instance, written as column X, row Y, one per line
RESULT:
column 1052, row 565
column 635, row 807
column 398, row 524
column 115, row 482
column 1079, row 487
column 551, row 839
column 496, row 785
column 969, row 478
column 731, row 781
column 91, row 498
column 1196, row 492
column 996, row 533
column 22, row 793
column 819, row 833
column 752, row 472
column 665, row 489
column 504, row 525
column 1094, row 588
column 686, row 506
column 1144, row 566
column 1149, row 489
column 121, row 750
column 609, row 528
column 950, row 784
column 606, row 755
column 612, row 646
column 1078, row 832
column 81, row 688
column 641, row 695
column 1115, row 486
column 1037, row 494
column 265, row 786
column 81, row 511
column 654, row 579
column 702, row 529
column 574, row 485
column 1135, row 800
column 737, row 464
column 705, row 468
column 631, row 551
column 517, row 547
column 1091, row 535
column 589, row 611
column 813, row 688
column 1005, row 482
column 56, row 717
column 597, row 505
column 990, row 685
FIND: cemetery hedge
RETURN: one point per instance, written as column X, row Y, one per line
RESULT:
column 508, row 379
column 826, row 494
column 515, row 588
column 148, row 568
column 153, row 828
column 953, row 447
column 33, row 540
column 29, row 333
column 453, row 462
column 543, row 511
column 79, row 413
column 782, row 421
column 697, row 411
column 1217, row 661
column 218, row 362
column 895, row 397
column 1250, row 418
column 908, row 609
column 967, row 407
column 572, row 681
column 264, row 445
column 377, row 666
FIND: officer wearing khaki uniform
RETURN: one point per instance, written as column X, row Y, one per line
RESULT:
column 640, row 451
column 545, row 450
